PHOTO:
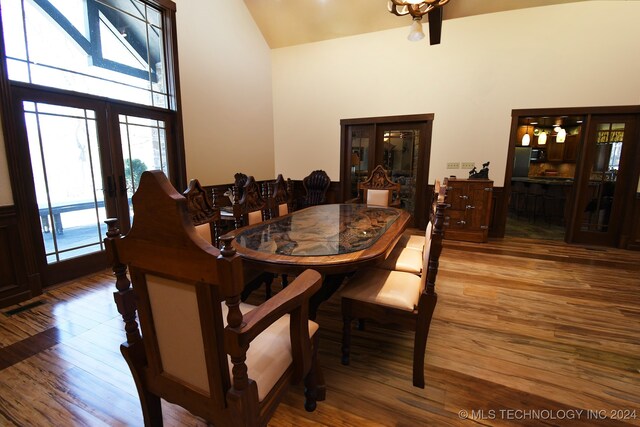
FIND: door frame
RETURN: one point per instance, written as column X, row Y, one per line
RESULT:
column 624, row 236
column 424, row 155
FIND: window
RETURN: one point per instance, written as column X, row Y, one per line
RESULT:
column 94, row 105
column 111, row 48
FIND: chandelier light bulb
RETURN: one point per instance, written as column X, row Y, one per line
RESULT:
column 415, row 33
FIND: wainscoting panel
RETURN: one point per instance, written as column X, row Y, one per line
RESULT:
column 14, row 280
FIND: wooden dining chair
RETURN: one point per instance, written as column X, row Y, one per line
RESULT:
column 205, row 217
column 249, row 205
column 408, row 251
column 279, row 197
column 316, row 185
column 240, row 180
column 379, row 190
column 397, row 297
column 196, row 345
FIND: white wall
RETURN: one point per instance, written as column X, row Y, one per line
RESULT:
column 225, row 78
column 571, row 55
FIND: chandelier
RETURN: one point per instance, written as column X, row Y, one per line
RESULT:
column 417, row 9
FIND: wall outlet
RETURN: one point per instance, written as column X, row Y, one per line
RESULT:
column 453, row 165
column 468, row 165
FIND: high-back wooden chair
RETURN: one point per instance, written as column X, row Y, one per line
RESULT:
column 250, row 207
column 197, row 346
column 315, row 186
column 205, row 217
column 379, row 190
column 279, row 196
column 397, row 297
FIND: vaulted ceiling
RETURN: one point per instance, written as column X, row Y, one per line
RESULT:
column 290, row 22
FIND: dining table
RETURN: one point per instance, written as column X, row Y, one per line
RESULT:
column 335, row 239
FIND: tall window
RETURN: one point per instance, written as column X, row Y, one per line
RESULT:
column 96, row 106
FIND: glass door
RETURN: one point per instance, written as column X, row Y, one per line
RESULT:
column 402, row 145
column 142, row 145
column 67, row 176
column 604, row 180
column 86, row 159
column 361, row 141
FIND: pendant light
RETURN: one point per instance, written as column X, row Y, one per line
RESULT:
column 526, row 138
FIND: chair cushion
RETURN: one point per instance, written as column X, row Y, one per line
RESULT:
column 269, row 354
column 255, row 217
column 404, row 259
column 411, row 241
column 204, row 231
column 378, row 197
column 396, row 289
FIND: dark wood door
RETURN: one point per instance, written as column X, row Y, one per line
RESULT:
column 402, row 145
column 604, row 183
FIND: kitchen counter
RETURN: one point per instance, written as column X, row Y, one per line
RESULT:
column 547, row 180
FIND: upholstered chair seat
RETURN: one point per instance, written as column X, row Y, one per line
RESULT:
column 407, row 259
column 396, row 289
column 411, row 241
column 269, row 355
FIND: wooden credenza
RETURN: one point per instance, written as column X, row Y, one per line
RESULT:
column 468, row 216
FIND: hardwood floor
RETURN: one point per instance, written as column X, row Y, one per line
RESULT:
column 528, row 332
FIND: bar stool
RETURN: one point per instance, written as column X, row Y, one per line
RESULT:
column 534, row 201
column 554, row 204
column 518, row 197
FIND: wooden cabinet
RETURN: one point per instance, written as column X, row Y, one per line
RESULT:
column 571, row 148
column 468, row 216
column 555, row 151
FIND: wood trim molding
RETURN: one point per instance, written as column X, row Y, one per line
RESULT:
column 388, row 119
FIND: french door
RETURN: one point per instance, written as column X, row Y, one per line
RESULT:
column 606, row 179
column 402, row 145
column 86, row 156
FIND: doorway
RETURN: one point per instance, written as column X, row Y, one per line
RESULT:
column 572, row 174
column 401, row 144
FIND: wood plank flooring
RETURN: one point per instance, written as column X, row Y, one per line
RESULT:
column 525, row 333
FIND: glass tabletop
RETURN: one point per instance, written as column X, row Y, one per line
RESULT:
column 320, row 230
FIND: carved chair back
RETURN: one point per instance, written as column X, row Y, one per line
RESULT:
column 240, row 180
column 250, row 208
column 315, row 186
column 204, row 215
column 192, row 345
column 379, row 190
column 279, row 197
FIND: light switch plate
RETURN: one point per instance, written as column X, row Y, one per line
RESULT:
column 468, row 165
column 453, row 165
